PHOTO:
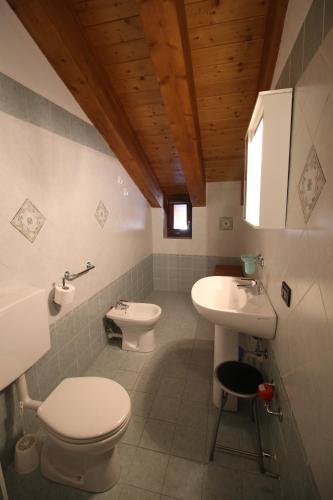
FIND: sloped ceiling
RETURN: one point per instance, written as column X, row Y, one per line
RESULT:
column 183, row 76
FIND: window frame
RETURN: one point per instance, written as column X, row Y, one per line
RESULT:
column 171, row 201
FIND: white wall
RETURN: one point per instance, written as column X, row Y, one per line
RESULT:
column 223, row 199
column 295, row 15
column 65, row 180
column 22, row 60
column 302, row 255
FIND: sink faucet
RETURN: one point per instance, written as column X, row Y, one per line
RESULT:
column 121, row 304
column 250, row 283
column 260, row 288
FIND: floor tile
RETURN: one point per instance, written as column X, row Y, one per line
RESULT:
column 222, row 484
column 183, row 479
column 131, row 493
column 157, row 435
column 148, row 470
column 126, row 454
column 193, row 414
column 134, row 431
column 141, row 403
column 126, row 378
column 202, row 356
column 189, row 442
column 235, row 462
column 258, row 487
column 197, row 389
column 112, row 494
column 248, row 435
column 171, row 387
column 134, row 361
column 175, row 368
column 203, row 371
column 148, row 381
column 110, row 358
column 164, row 452
column 230, row 428
column 165, row 409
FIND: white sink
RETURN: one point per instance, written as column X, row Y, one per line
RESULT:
column 234, row 310
column 221, row 301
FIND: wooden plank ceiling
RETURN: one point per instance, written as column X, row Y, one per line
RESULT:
column 224, row 52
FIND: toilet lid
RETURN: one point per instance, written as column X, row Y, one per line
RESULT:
column 84, row 408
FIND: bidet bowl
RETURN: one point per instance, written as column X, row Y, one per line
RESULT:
column 138, row 313
column 137, row 323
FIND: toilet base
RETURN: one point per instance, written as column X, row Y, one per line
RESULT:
column 136, row 340
column 89, row 472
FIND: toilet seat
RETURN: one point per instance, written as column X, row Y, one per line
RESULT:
column 85, row 409
column 89, row 441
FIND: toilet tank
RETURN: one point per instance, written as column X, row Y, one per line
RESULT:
column 24, row 331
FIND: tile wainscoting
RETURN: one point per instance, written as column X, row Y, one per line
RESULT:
column 302, row 255
column 173, row 272
column 25, row 104
column 284, row 440
column 76, row 341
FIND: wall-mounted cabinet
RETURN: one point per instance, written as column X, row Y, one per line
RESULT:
column 267, row 160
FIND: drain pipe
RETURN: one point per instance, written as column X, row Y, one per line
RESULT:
column 23, row 394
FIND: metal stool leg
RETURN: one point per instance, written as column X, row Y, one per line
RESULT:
column 224, row 397
column 260, row 449
column 252, row 409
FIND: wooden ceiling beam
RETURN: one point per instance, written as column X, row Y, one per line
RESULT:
column 54, row 27
column 164, row 24
column 273, row 32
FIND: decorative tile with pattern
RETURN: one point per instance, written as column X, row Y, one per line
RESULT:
column 28, row 220
column 101, row 214
column 226, row 223
column 311, row 183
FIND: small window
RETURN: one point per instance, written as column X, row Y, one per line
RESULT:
column 178, row 217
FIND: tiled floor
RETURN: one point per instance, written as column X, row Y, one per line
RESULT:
column 164, row 453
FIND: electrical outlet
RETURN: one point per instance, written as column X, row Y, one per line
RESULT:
column 286, row 293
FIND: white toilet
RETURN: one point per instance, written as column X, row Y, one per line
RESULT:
column 84, row 417
column 137, row 321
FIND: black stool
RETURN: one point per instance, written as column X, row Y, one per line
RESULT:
column 241, row 380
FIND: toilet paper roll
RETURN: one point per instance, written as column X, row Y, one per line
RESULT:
column 64, row 296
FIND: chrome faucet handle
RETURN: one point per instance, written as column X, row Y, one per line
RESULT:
column 247, row 283
column 121, row 304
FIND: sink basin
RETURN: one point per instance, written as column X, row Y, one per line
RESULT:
column 233, row 310
column 221, row 301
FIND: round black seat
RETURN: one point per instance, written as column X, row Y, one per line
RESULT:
column 241, row 380
column 238, row 378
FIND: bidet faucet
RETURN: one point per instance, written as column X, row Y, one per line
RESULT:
column 121, row 304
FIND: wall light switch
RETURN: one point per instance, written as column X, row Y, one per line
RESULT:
column 286, row 293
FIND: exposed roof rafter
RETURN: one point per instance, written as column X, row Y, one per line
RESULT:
column 165, row 27
column 273, row 32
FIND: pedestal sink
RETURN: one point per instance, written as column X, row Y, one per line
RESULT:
column 234, row 310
